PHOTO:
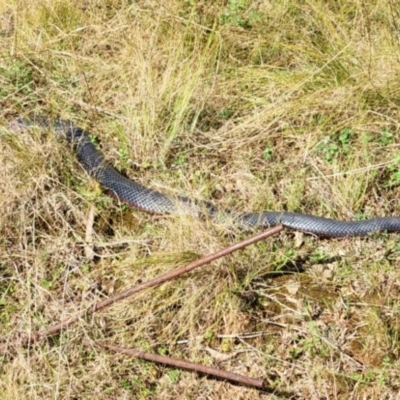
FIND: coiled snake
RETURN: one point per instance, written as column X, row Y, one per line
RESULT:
column 136, row 195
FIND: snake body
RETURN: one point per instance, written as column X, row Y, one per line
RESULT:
column 141, row 197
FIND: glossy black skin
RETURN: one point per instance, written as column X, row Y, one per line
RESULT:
column 137, row 195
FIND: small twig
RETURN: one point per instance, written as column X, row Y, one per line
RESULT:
column 227, row 336
column 98, row 109
column 188, row 365
column 136, row 289
column 89, row 253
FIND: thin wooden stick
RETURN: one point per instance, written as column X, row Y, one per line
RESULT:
column 188, row 365
column 136, row 289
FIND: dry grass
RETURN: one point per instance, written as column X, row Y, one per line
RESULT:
column 254, row 105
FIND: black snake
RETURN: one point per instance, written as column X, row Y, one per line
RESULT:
column 134, row 194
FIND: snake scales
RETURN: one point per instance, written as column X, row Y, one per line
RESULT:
column 136, row 195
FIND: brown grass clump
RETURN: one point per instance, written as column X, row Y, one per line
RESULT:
column 252, row 105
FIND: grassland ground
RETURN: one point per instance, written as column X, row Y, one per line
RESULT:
column 278, row 105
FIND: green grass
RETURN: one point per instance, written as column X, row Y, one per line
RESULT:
column 252, row 105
